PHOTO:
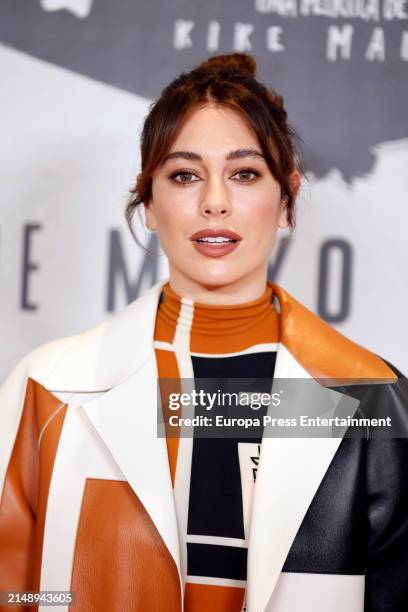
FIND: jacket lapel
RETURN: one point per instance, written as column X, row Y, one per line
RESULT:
column 125, row 417
column 289, row 473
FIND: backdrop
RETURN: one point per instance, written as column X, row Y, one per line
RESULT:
column 78, row 77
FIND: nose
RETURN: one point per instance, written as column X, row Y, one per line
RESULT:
column 215, row 201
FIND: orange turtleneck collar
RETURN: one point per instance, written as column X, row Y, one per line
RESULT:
column 219, row 328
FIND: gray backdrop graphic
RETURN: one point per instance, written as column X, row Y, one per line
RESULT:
column 139, row 46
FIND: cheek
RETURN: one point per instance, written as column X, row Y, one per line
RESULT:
column 164, row 208
column 260, row 215
column 183, row 207
column 175, row 219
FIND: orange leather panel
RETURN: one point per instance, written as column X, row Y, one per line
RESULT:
column 25, row 491
column 322, row 350
column 206, row 598
column 19, row 503
column 121, row 563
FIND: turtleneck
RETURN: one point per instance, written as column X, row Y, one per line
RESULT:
column 217, row 327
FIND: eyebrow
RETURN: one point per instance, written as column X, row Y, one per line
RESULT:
column 191, row 156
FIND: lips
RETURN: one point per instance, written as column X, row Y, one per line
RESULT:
column 215, row 233
column 215, row 242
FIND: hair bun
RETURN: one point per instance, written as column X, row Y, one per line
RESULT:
column 243, row 62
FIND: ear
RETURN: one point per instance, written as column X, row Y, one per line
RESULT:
column 295, row 182
column 283, row 215
column 151, row 222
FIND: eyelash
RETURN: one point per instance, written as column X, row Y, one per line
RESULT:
column 186, row 171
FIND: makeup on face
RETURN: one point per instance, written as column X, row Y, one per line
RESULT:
column 215, row 242
column 216, row 206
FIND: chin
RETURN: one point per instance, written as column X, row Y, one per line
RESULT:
column 211, row 277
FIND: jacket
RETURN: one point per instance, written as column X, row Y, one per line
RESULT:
column 87, row 502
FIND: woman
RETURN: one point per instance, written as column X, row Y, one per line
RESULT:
column 95, row 502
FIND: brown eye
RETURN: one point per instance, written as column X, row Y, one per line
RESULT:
column 183, row 177
column 247, row 175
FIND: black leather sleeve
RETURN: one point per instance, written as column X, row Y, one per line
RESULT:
column 386, row 588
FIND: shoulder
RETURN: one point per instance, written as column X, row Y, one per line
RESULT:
column 38, row 366
column 93, row 360
column 40, row 362
column 322, row 350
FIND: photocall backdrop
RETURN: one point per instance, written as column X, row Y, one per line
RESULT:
column 78, row 77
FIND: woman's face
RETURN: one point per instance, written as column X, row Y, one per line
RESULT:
column 215, row 181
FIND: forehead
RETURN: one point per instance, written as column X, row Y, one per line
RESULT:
column 215, row 128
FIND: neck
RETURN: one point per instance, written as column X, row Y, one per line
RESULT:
column 240, row 291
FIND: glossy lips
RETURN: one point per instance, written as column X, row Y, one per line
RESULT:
column 218, row 248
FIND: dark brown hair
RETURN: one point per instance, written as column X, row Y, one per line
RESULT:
column 227, row 80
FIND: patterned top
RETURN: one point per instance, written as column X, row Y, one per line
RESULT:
column 213, row 478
